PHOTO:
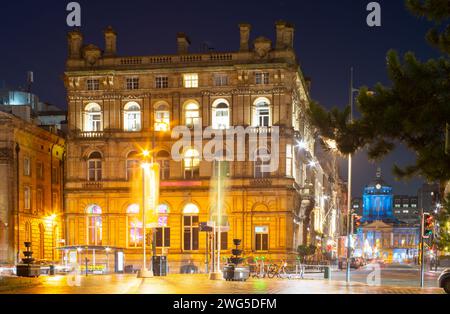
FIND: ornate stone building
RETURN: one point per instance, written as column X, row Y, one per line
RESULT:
column 120, row 106
column 31, row 187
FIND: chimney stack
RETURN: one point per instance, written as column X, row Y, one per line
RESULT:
column 280, row 29
column 110, row 42
column 245, row 36
column 75, row 41
column 289, row 36
column 183, row 43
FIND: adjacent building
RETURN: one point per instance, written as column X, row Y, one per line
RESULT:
column 384, row 233
column 31, row 189
column 120, row 107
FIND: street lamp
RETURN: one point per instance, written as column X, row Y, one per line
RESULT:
column 144, row 272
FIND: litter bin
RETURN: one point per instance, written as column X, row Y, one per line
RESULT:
column 160, row 266
column 51, row 271
column 326, row 273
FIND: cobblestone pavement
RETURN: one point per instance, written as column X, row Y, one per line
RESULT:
column 200, row 284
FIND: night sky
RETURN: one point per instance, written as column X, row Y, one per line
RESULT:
column 331, row 36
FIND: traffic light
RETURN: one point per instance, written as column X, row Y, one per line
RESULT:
column 427, row 225
column 356, row 223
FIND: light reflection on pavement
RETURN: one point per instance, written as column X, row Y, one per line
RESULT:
column 200, row 284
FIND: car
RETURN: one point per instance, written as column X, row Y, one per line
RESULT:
column 444, row 280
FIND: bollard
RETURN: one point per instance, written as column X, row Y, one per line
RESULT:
column 327, row 272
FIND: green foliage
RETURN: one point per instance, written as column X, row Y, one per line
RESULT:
column 443, row 238
column 437, row 11
column 305, row 251
column 414, row 110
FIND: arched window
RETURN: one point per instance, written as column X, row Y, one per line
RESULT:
column 192, row 114
column 162, row 118
column 93, row 118
column 163, row 229
column 191, row 164
column 135, row 226
column 163, row 159
column 220, row 115
column 95, row 167
column 41, row 241
column 190, row 227
column 262, row 114
column 133, row 163
column 94, row 225
column 262, row 163
column 132, row 117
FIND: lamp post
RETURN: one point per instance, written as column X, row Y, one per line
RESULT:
column 144, row 272
column 349, row 196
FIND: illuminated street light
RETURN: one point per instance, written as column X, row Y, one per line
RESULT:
column 312, row 163
column 302, row 144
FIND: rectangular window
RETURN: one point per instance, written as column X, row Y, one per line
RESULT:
column 95, row 170
column 133, row 168
column 221, row 80
column 27, row 197
column 27, row 166
column 39, row 200
column 262, row 78
column 40, row 170
column 190, row 234
column 223, row 240
column 55, row 202
column 261, row 238
column 164, row 166
column 163, row 237
column 93, row 84
column 132, row 83
column 289, row 158
column 190, row 80
column 162, row 82
column 55, row 177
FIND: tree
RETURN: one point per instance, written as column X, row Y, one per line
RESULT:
column 306, row 250
column 414, row 110
column 443, row 236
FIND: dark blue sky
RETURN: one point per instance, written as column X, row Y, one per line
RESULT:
column 331, row 36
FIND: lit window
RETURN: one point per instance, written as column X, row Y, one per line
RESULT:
column 162, row 118
column 190, row 228
column 162, row 82
column 93, row 118
column 192, row 115
column 132, row 117
column 93, row 84
column 190, row 80
column 163, row 231
column 27, row 166
column 135, row 226
column 261, row 238
column 261, row 113
column 94, row 224
column 262, row 164
column 261, row 78
column 95, row 167
column 221, row 115
column 220, row 80
column 289, row 159
column 191, row 164
column 132, row 83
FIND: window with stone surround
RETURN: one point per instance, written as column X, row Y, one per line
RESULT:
column 262, row 78
column 261, row 238
column 132, row 83
column 162, row 81
column 190, row 80
column 93, row 84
